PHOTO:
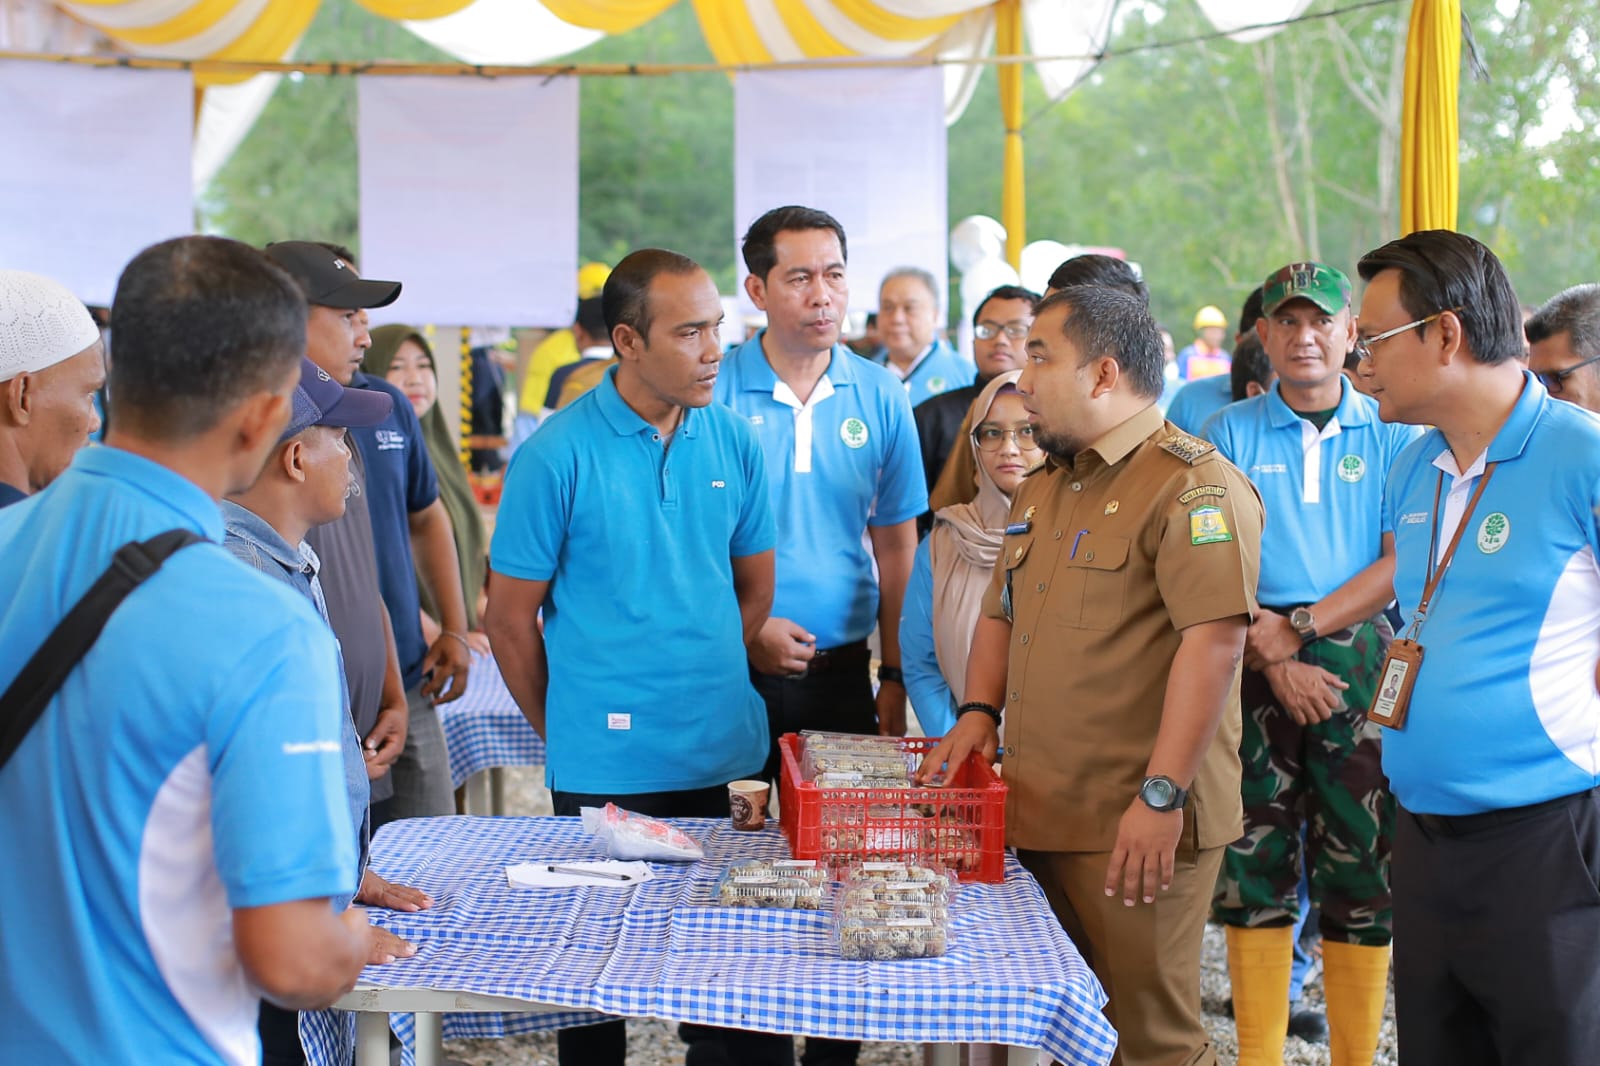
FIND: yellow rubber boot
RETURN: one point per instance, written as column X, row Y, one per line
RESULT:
column 1259, row 961
column 1355, row 980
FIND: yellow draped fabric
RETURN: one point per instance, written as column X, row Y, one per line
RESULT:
column 607, row 16
column 1429, row 136
column 1013, row 202
column 414, row 9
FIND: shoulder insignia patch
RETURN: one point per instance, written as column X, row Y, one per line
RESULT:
column 1202, row 490
column 1190, row 449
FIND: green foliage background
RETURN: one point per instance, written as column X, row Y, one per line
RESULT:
column 1211, row 162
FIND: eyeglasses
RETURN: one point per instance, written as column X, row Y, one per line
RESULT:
column 988, row 330
column 1364, row 344
column 1553, row 378
column 993, row 438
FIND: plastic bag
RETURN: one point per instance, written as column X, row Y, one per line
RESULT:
column 627, row 835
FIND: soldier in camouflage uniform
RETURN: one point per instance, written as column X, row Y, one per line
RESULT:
column 1319, row 456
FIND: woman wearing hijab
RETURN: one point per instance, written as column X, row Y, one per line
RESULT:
column 954, row 564
column 401, row 355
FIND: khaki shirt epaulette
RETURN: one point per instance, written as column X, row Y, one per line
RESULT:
column 1190, row 449
column 1108, row 559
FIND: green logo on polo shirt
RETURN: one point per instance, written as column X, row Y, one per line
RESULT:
column 1493, row 533
column 1352, row 468
column 936, row 384
column 853, row 432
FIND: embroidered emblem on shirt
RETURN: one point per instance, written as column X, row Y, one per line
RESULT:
column 389, row 439
column 1190, row 449
column 1493, row 532
column 1413, row 518
column 853, row 432
column 1352, row 468
column 936, row 384
column 758, row 420
column 1269, row 468
column 719, row 484
column 1199, row 491
column 322, row 375
column 1207, row 526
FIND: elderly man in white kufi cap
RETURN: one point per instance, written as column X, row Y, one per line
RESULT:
column 51, row 365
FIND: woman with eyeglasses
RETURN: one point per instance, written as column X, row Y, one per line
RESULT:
column 953, row 565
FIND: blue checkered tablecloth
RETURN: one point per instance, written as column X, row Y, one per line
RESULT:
column 484, row 728
column 664, row 950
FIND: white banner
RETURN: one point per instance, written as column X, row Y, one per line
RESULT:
column 97, row 169
column 866, row 146
column 469, row 197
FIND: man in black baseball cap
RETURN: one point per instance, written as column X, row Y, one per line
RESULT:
column 404, row 534
column 329, row 279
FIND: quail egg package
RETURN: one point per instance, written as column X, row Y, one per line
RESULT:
column 794, row 884
column 884, row 911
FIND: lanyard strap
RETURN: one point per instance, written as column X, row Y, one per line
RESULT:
column 1436, row 575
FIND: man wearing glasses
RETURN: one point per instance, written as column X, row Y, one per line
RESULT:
column 1319, row 456
column 1564, row 345
column 999, row 329
column 1494, row 751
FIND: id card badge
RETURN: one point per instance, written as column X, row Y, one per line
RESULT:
column 1393, row 698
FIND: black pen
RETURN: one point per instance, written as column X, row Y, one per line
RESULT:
column 575, row 872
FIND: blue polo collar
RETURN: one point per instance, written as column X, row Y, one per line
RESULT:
column 1353, row 409
column 166, row 487
column 757, row 375
column 625, row 421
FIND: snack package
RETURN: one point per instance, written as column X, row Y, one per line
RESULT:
column 839, row 760
column 627, row 835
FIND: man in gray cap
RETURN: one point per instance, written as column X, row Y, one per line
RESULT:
column 51, row 366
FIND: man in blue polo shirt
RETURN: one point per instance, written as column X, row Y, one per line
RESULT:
column 841, row 453
column 1496, row 759
column 1319, row 456
column 637, row 519
column 908, row 322
column 176, row 824
column 408, row 522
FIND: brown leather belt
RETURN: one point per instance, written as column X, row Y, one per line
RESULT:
column 827, row 660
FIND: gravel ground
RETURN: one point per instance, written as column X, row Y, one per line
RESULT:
column 654, row 1043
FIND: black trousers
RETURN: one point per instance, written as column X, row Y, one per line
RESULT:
column 280, row 1036
column 1497, row 945
column 837, row 698
column 606, row 1044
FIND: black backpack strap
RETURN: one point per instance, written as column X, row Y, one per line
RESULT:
column 26, row 698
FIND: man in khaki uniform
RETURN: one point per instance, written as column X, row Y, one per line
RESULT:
column 1131, row 558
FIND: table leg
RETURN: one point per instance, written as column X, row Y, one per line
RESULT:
column 429, row 1037
column 1022, row 1056
column 942, row 1055
column 477, row 788
column 497, row 790
column 372, row 1038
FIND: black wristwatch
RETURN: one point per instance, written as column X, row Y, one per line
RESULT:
column 891, row 673
column 1304, row 624
column 1161, row 793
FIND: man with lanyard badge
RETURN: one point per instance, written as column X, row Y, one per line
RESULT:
column 1493, row 745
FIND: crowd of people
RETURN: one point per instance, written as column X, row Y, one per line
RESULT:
column 1189, row 623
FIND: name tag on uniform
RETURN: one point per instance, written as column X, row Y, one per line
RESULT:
column 619, row 721
column 1018, row 527
column 1393, row 698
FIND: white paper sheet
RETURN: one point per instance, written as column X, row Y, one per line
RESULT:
column 539, row 874
column 866, row 146
column 469, row 196
column 97, row 169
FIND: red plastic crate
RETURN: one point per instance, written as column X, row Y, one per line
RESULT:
column 962, row 826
